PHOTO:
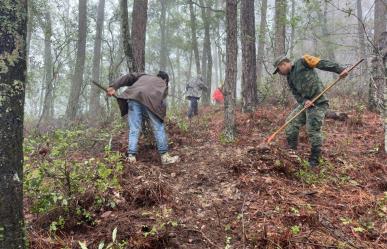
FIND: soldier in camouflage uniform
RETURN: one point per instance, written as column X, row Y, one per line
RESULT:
column 305, row 84
column 194, row 89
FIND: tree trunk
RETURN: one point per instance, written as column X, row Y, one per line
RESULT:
column 48, row 107
column 249, row 73
column 77, row 79
column 207, row 56
column 95, row 94
column 29, row 29
column 216, row 66
column 376, row 85
column 231, row 69
column 13, row 67
column 194, row 37
column 139, row 22
column 279, row 42
column 385, row 91
column 163, row 33
column 125, row 34
column 261, row 41
column 362, row 47
column 293, row 28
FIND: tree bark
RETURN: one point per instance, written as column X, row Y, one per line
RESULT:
column 376, row 84
column 207, row 56
column 231, row 70
column 293, row 28
column 139, row 23
column 125, row 35
column 77, row 79
column 279, row 42
column 48, row 104
column 385, row 90
column 362, row 46
column 249, row 74
column 261, row 41
column 194, row 37
column 29, row 29
column 13, row 67
column 95, row 93
column 163, row 34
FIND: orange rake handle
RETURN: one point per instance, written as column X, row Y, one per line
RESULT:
column 272, row 136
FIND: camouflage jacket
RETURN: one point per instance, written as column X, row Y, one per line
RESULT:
column 195, row 87
column 304, row 81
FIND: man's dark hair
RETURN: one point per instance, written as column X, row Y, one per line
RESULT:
column 163, row 75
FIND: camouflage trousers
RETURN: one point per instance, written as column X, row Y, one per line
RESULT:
column 313, row 118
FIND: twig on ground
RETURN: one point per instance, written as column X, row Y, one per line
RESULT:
column 204, row 236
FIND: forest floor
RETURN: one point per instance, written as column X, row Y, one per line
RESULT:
column 235, row 195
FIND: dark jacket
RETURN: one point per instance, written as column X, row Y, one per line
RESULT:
column 149, row 90
column 304, row 81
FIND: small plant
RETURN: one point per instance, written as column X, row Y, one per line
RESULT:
column 345, row 221
column 163, row 222
column 226, row 139
column 295, row 211
column 55, row 180
column 228, row 242
column 295, row 229
column 359, row 113
column 183, row 125
column 228, row 230
column 55, row 225
column 114, row 244
column 358, row 229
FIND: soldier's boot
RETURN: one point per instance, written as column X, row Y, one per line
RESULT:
column 292, row 147
column 315, row 156
column 292, row 143
column 168, row 159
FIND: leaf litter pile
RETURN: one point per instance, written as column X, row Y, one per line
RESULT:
column 236, row 195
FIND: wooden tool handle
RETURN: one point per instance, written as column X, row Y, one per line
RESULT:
column 272, row 136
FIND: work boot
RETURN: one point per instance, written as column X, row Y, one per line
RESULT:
column 292, row 153
column 168, row 159
column 292, row 143
column 315, row 155
column 131, row 159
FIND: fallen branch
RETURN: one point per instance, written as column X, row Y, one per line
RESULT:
column 204, row 236
column 335, row 232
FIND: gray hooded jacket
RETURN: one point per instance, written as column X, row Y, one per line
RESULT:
column 195, row 87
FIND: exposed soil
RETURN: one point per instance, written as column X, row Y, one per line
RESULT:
column 240, row 195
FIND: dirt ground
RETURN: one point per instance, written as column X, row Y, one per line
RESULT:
column 240, row 196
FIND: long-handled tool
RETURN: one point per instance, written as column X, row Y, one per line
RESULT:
column 272, row 136
column 122, row 103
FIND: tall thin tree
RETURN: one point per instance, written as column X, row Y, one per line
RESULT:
column 249, row 75
column 13, row 67
column 94, row 101
column 376, row 84
column 279, row 40
column 261, row 41
column 362, row 46
column 231, row 69
column 207, row 53
column 48, row 105
column 125, row 35
column 194, row 38
column 77, row 79
column 139, row 23
column 163, row 35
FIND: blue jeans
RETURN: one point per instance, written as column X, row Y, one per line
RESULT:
column 193, row 106
column 135, row 115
